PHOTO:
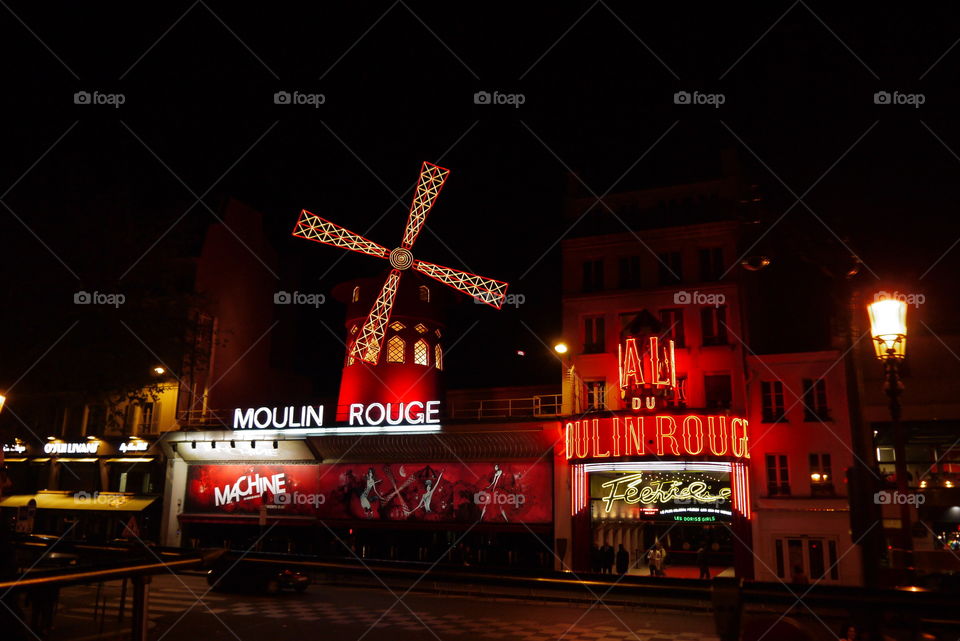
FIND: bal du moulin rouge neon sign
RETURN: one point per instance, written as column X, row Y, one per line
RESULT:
column 647, row 379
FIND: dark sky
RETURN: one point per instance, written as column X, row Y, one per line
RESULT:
column 94, row 186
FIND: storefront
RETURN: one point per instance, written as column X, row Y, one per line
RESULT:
column 653, row 474
column 410, row 490
column 93, row 489
column 635, row 480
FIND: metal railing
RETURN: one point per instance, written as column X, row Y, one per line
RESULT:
column 544, row 405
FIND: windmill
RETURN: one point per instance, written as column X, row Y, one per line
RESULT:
column 368, row 344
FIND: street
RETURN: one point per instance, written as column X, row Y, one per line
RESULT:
column 366, row 613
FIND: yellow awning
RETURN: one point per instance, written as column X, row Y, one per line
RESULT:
column 102, row 502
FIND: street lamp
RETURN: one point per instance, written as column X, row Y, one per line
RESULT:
column 888, row 326
column 560, row 348
column 3, row 399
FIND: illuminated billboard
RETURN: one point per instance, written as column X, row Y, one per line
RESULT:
column 674, row 495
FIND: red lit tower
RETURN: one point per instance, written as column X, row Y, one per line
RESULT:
column 393, row 355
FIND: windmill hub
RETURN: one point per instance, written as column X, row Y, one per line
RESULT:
column 401, row 258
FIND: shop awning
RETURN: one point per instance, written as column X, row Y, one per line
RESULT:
column 100, row 502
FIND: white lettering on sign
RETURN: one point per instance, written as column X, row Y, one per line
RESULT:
column 411, row 413
column 359, row 414
column 249, row 487
column 88, row 447
column 16, row 448
column 134, row 446
column 277, row 417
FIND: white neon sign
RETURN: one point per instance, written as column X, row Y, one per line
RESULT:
column 412, row 416
column 85, row 447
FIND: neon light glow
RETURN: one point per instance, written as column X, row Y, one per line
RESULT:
column 659, row 435
column 647, row 375
column 368, row 344
column 673, row 480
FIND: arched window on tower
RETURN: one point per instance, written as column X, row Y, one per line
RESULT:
column 395, row 349
column 421, row 352
column 424, row 293
column 438, row 356
column 356, row 294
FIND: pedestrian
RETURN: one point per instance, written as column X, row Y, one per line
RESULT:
column 659, row 559
column 595, row 559
column 608, row 558
column 703, row 561
column 623, row 560
column 651, row 564
column 799, row 576
column 848, row 633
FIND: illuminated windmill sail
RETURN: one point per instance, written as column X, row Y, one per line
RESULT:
column 368, row 343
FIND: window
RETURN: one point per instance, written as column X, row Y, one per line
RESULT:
column 424, row 293
column 355, row 328
column 438, row 356
column 629, row 272
column 397, row 326
column 711, row 263
column 592, row 275
column 832, row 550
column 672, row 322
column 779, row 554
column 593, row 332
column 421, row 328
column 147, row 418
column 719, row 391
column 356, row 294
column 395, row 349
column 671, row 268
column 821, row 475
column 813, row 563
column 713, row 324
column 421, row 352
column 773, row 406
column 778, row 476
column 596, row 395
column 679, row 394
column 96, row 419
column 815, row 400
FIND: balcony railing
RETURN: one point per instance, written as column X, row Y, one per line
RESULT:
column 545, row 405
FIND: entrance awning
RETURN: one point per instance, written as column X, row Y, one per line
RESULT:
column 99, row 502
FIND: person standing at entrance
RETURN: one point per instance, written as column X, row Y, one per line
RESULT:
column 659, row 555
column 608, row 559
column 623, row 560
column 703, row 561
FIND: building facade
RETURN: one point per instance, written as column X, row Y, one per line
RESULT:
column 664, row 264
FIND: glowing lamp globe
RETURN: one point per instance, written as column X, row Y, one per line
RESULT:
column 888, row 326
column 561, row 348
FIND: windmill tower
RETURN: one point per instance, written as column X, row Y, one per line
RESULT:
column 395, row 356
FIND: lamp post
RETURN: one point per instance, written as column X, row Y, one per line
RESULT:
column 561, row 349
column 888, row 326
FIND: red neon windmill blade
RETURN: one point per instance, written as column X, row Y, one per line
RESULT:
column 368, row 343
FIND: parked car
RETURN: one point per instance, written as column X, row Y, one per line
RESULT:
column 250, row 576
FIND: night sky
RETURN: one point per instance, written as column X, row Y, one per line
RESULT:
column 89, row 189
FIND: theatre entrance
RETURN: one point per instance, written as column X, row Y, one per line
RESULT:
column 679, row 511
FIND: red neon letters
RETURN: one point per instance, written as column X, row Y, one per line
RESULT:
column 659, row 435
